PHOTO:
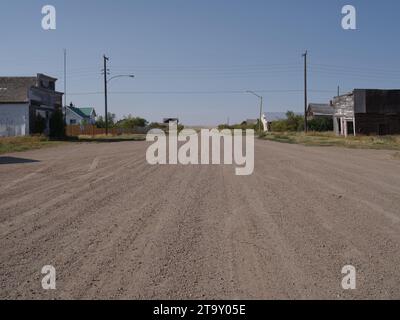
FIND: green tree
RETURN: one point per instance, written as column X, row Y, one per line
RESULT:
column 321, row 124
column 39, row 124
column 57, row 125
column 101, row 123
column 292, row 123
column 131, row 122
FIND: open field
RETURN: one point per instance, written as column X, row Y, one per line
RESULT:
column 115, row 227
column 330, row 139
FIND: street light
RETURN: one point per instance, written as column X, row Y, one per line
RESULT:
column 106, row 82
column 261, row 106
column 121, row 76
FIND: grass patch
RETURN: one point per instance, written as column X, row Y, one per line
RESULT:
column 331, row 140
column 109, row 138
column 19, row 144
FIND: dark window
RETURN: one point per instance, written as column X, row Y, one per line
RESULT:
column 350, row 127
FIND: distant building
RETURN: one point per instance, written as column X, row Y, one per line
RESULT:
column 367, row 111
column 251, row 122
column 75, row 116
column 318, row 110
column 23, row 100
column 171, row 120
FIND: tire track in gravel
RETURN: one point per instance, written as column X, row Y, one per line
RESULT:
column 130, row 230
column 60, row 199
column 60, row 227
column 48, row 185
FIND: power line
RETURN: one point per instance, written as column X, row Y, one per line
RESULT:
column 198, row 92
column 353, row 68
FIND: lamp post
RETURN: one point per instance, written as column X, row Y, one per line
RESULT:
column 261, row 106
column 106, row 82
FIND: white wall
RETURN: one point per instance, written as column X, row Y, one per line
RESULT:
column 72, row 116
column 14, row 120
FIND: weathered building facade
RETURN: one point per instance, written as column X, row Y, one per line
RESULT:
column 319, row 110
column 23, row 100
column 367, row 111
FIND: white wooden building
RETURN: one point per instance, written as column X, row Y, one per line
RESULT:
column 23, row 99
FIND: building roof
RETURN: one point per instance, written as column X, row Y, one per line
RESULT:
column 319, row 109
column 82, row 112
column 168, row 120
column 41, row 75
column 15, row 89
column 77, row 111
column 87, row 111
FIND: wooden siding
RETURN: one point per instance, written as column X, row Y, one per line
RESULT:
column 377, row 124
column 344, row 106
column 374, row 112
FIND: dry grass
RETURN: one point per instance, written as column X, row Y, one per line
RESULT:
column 110, row 138
column 18, row 144
column 330, row 139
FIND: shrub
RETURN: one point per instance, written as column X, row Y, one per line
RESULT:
column 57, row 125
column 292, row 123
column 321, row 124
column 132, row 122
column 39, row 124
column 101, row 122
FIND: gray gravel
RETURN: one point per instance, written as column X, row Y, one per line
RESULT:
column 115, row 227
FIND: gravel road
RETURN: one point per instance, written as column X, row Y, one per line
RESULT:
column 115, row 227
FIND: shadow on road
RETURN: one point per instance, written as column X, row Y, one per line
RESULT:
column 13, row 160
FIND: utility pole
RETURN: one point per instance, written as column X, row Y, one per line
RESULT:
column 338, row 91
column 105, row 92
column 305, row 92
column 65, row 77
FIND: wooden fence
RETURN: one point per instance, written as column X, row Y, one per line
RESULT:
column 90, row 130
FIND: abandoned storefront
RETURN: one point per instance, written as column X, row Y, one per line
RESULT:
column 367, row 111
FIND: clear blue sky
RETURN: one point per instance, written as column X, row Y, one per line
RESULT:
column 203, row 46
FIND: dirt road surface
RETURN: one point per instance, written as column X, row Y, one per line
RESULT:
column 115, row 227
